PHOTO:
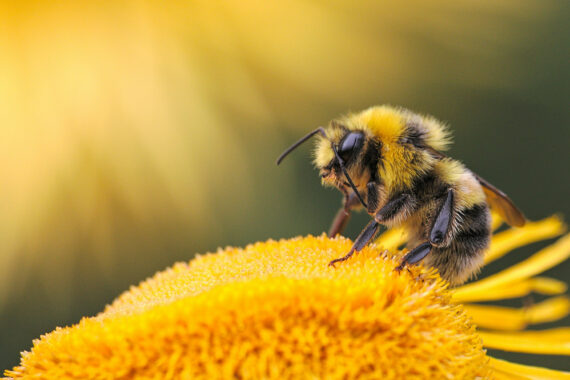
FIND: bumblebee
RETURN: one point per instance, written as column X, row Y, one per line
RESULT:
column 389, row 161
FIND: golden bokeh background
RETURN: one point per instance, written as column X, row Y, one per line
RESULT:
column 135, row 134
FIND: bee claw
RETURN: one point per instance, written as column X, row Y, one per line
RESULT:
column 332, row 263
column 348, row 255
column 383, row 254
column 399, row 268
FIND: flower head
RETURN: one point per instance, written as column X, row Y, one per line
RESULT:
column 276, row 310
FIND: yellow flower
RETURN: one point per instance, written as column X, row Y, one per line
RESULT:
column 276, row 310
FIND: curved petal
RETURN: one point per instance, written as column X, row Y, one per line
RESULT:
column 550, row 342
column 506, row 318
column 507, row 370
column 540, row 285
column 537, row 263
column 504, row 242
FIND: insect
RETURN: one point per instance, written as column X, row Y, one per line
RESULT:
column 389, row 161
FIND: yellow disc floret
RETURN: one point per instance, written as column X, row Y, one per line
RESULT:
column 272, row 310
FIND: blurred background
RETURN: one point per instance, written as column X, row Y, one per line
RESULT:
column 136, row 134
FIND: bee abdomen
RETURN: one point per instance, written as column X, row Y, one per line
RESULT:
column 475, row 228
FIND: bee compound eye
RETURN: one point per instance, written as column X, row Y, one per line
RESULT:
column 350, row 143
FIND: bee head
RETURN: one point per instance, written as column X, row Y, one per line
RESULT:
column 389, row 146
column 396, row 148
column 341, row 149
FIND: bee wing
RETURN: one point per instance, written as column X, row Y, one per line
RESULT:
column 496, row 199
column 502, row 204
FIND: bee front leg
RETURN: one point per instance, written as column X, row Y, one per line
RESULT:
column 438, row 232
column 361, row 241
column 351, row 202
column 343, row 215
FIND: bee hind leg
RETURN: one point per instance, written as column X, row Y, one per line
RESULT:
column 415, row 255
column 361, row 241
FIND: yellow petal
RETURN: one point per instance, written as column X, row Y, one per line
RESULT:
column 560, row 334
column 540, row 285
column 392, row 239
column 509, row 371
column 496, row 220
column 505, row 318
column 506, row 241
column 548, row 286
column 554, row 341
column 537, row 263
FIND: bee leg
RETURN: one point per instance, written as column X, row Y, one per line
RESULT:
column 364, row 238
column 393, row 207
column 343, row 215
column 440, row 227
column 415, row 255
column 437, row 234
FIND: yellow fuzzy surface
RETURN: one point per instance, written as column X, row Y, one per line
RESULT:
column 323, row 153
column 438, row 135
column 400, row 169
column 384, row 122
column 272, row 310
column 388, row 124
column 468, row 190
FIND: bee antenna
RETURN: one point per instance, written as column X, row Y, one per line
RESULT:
column 348, row 177
column 320, row 130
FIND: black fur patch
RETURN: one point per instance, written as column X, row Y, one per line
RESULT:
column 429, row 186
column 372, row 158
column 474, row 232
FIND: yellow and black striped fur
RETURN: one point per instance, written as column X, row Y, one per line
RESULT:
column 389, row 161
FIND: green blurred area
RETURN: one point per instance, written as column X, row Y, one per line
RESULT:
column 134, row 135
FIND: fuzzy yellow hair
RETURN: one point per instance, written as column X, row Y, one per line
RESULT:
column 390, row 125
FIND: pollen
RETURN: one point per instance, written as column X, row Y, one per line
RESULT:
column 272, row 310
